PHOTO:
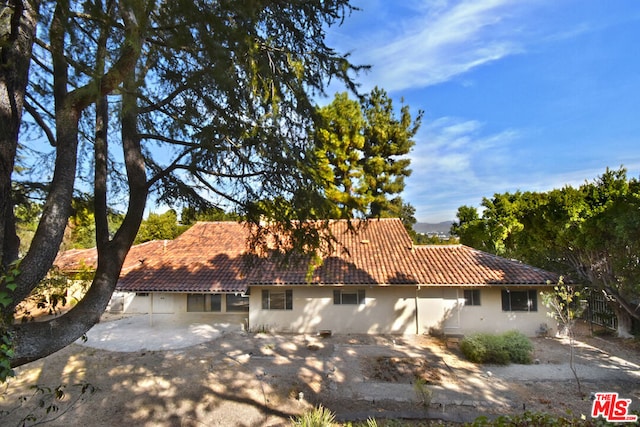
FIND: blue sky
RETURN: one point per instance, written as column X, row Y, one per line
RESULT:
column 517, row 95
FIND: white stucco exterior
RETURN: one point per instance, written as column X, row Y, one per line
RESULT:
column 385, row 310
column 444, row 310
column 175, row 304
column 393, row 310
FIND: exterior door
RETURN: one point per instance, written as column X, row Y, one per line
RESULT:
column 451, row 310
column 438, row 310
column 162, row 303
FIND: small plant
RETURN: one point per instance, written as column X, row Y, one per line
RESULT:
column 317, row 417
column 261, row 329
column 564, row 309
column 425, row 394
column 370, row 422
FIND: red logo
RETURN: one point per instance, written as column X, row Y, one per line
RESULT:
column 612, row 408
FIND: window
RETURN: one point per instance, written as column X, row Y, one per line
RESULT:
column 351, row 297
column 237, row 302
column 277, row 300
column 204, row 302
column 472, row 297
column 519, row 300
column 142, row 294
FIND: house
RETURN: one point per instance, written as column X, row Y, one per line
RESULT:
column 374, row 281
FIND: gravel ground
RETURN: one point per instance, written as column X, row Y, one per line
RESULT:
column 192, row 374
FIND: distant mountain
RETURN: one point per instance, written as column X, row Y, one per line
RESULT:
column 431, row 228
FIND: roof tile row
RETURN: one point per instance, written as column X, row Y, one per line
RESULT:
column 215, row 257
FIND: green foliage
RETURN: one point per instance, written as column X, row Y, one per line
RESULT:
column 52, row 294
column 472, row 230
column 484, row 348
column 518, row 346
column 372, row 422
column 510, row 347
column 589, row 234
column 159, row 227
column 423, row 239
column 27, row 215
column 538, row 419
column 193, row 101
column 358, row 153
column 424, row 393
column 191, row 215
column 8, row 284
column 317, row 417
column 564, row 304
column 82, row 228
column 7, row 287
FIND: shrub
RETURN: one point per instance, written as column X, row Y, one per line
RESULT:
column 484, row 348
column 499, row 349
column 519, row 347
column 473, row 347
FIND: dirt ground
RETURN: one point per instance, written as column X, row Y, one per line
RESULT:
column 243, row 379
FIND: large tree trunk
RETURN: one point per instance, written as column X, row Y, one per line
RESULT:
column 15, row 57
column 625, row 323
column 39, row 339
column 57, row 208
column 68, row 109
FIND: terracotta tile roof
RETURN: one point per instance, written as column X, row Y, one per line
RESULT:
column 80, row 259
column 211, row 257
column 376, row 255
column 461, row 265
column 206, row 258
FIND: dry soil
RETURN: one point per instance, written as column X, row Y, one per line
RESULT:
column 233, row 378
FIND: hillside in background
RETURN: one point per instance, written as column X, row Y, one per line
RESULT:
column 440, row 228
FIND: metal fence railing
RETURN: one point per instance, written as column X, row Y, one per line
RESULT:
column 598, row 312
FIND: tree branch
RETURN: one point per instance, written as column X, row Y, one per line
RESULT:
column 151, row 106
column 40, row 121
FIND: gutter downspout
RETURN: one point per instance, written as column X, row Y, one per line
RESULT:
column 417, row 316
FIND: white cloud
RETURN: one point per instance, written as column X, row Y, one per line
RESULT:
column 456, row 162
column 440, row 43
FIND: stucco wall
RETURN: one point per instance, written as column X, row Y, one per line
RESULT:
column 386, row 310
column 389, row 310
column 443, row 310
column 392, row 310
column 489, row 317
column 176, row 304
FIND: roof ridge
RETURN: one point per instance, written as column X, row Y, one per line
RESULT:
column 436, row 246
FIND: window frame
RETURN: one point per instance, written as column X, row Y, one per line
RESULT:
column 474, row 300
column 338, row 296
column 232, row 307
column 211, row 303
column 531, row 296
column 268, row 297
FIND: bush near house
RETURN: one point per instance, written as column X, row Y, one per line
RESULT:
column 509, row 347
